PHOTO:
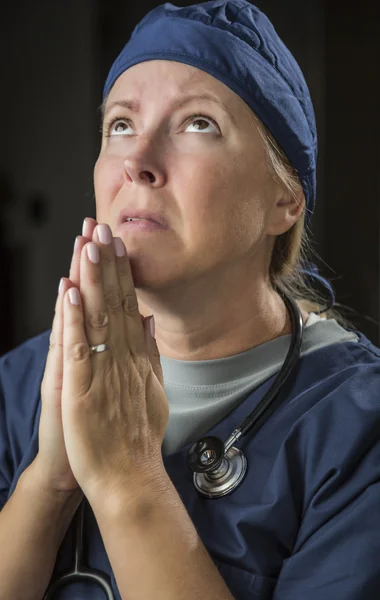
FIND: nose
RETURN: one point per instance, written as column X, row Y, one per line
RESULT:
column 143, row 168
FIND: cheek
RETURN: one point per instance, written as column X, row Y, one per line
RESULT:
column 225, row 201
column 247, row 184
column 108, row 179
column 219, row 188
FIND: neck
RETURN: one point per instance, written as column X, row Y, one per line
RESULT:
column 229, row 321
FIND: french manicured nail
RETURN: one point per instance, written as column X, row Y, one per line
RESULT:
column 119, row 247
column 60, row 285
column 93, row 252
column 104, row 234
column 76, row 242
column 74, row 296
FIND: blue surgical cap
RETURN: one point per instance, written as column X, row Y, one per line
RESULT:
column 237, row 44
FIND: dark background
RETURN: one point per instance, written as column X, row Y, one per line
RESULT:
column 54, row 59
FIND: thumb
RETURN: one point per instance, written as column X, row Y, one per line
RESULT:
column 152, row 348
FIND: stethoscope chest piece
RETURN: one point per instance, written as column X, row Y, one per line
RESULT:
column 216, row 472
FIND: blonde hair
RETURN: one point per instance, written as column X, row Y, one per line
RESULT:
column 292, row 248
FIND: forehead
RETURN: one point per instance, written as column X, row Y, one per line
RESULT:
column 168, row 78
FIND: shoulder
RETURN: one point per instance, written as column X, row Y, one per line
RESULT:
column 323, row 438
column 340, row 384
column 332, row 463
column 349, row 365
column 28, row 354
column 336, row 437
column 334, row 393
column 21, row 372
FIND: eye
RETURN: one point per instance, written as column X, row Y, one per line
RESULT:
column 196, row 119
column 119, row 126
column 116, row 127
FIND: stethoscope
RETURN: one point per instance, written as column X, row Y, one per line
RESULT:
column 218, row 467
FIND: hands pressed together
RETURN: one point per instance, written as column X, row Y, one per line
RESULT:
column 103, row 415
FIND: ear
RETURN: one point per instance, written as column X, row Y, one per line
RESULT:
column 286, row 211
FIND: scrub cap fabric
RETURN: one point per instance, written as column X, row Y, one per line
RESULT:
column 236, row 43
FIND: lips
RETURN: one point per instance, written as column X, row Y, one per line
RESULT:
column 129, row 213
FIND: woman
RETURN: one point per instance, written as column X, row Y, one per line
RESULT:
column 208, row 138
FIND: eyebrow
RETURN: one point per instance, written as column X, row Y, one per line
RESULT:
column 134, row 106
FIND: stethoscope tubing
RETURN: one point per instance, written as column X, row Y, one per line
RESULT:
column 79, row 572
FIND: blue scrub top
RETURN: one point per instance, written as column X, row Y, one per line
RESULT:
column 305, row 522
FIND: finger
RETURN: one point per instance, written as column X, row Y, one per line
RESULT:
column 125, row 328
column 74, row 274
column 153, row 352
column 51, row 386
column 76, row 353
column 89, row 225
column 96, row 318
column 132, row 316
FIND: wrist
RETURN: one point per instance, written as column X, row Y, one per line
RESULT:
column 49, row 509
column 132, row 497
column 33, row 482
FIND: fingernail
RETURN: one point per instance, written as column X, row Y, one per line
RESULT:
column 119, row 247
column 93, row 252
column 76, row 242
column 152, row 326
column 60, row 285
column 104, row 234
column 74, row 296
column 85, row 228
